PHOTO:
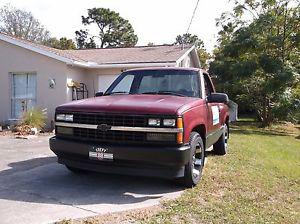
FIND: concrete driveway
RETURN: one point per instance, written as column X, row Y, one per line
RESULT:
column 34, row 188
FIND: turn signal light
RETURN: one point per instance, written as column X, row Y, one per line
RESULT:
column 180, row 134
column 179, row 122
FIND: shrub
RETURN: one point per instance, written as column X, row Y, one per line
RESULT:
column 34, row 118
column 288, row 106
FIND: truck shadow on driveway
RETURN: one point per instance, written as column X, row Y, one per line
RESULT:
column 43, row 180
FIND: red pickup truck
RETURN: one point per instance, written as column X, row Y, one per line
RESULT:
column 151, row 122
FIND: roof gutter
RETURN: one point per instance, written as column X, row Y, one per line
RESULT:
column 126, row 65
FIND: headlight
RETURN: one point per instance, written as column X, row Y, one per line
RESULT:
column 64, row 117
column 60, row 117
column 169, row 122
column 69, row 117
column 154, row 122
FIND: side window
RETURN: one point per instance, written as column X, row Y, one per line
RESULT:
column 124, row 85
column 207, row 85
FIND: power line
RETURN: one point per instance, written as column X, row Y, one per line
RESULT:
column 187, row 31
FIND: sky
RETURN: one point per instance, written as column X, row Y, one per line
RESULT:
column 155, row 21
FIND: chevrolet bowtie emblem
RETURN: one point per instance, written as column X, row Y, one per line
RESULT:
column 103, row 127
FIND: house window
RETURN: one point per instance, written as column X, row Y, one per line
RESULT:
column 23, row 93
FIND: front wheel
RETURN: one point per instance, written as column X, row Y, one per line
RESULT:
column 193, row 170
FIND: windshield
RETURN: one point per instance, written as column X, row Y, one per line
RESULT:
column 170, row 82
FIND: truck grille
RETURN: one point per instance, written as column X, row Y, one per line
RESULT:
column 95, row 135
column 112, row 120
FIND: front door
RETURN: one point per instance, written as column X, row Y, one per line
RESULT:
column 213, row 114
column 213, row 108
column 23, row 93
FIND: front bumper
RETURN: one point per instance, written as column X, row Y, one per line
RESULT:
column 160, row 161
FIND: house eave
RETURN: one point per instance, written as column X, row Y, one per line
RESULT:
column 92, row 65
column 120, row 65
column 193, row 52
column 35, row 49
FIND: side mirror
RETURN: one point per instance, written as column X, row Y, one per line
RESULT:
column 218, row 98
column 99, row 94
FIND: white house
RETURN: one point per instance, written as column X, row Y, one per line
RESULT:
column 33, row 75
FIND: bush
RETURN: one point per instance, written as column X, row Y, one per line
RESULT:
column 34, row 118
column 288, row 106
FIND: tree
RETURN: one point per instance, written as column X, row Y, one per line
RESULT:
column 204, row 57
column 83, row 41
column 257, row 60
column 188, row 38
column 22, row 24
column 63, row 43
column 114, row 31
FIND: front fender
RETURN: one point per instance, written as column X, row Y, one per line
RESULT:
column 193, row 118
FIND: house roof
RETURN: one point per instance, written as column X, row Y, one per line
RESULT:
column 162, row 55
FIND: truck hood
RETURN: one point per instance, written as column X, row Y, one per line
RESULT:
column 133, row 104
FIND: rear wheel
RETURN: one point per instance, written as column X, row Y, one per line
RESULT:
column 221, row 146
column 193, row 170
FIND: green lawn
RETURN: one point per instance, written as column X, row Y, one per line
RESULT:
column 257, row 182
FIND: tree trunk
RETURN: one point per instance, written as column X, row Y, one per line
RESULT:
column 266, row 115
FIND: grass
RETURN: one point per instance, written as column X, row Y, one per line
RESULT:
column 258, row 181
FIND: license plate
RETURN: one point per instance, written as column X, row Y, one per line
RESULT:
column 98, row 153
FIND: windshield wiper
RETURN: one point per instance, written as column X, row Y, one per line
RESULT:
column 118, row 92
column 164, row 93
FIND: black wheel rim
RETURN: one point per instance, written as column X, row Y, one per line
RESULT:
column 197, row 162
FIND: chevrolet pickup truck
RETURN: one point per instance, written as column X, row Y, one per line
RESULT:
column 150, row 122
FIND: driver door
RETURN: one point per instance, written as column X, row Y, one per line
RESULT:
column 213, row 112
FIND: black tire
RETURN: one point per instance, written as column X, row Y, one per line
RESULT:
column 75, row 170
column 193, row 170
column 221, row 146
